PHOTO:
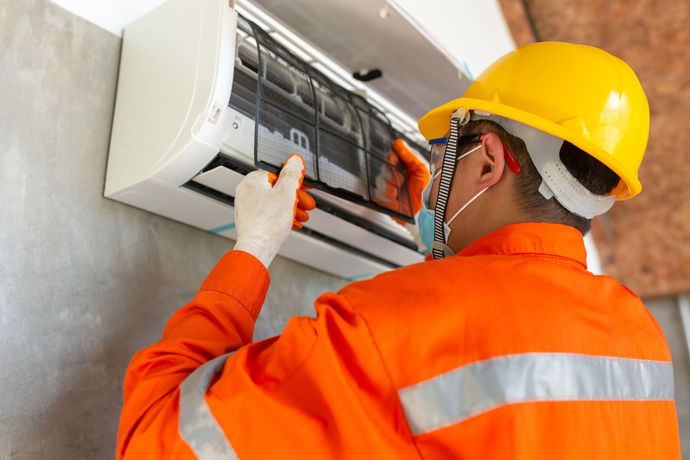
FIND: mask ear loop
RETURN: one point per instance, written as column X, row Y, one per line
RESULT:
column 458, row 159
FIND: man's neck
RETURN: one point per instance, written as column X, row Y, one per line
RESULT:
column 482, row 221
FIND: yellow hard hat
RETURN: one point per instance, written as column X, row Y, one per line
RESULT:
column 577, row 93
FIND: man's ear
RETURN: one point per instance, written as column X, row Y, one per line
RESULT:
column 492, row 160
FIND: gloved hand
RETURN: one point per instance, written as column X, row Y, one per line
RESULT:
column 417, row 173
column 386, row 184
column 305, row 202
column 267, row 207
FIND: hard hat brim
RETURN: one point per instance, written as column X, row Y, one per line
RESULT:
column 435, row 124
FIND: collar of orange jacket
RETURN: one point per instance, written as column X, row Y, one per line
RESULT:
column 531, row 238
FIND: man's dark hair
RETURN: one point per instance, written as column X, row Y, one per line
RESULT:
column 590, row 172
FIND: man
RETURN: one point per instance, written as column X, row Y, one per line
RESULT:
column 505, row 346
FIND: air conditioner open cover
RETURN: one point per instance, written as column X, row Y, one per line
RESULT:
column 194, row 78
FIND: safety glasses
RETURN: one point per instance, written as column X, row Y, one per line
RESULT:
column 438, row 148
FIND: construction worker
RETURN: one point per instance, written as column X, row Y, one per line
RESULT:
column 503, row 347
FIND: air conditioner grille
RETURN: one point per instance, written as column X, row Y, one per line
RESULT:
column 345, row 141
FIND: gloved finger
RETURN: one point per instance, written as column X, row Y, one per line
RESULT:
column 388, row 176
column 290, row 181
column 254, row 180
column 392, row 192
column 397, row 177
column 301, row 215
column 305, row 200
column 393, row 157
column 404, row 153
column 385, row 190
column 412, row 163
column 292, row 175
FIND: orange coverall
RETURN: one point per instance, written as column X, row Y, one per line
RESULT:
column 508, row 350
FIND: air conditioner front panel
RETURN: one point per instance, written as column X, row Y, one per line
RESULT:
column 187, row 97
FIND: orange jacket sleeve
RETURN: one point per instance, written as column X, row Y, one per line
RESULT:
column 219, row 319
column 321, row 386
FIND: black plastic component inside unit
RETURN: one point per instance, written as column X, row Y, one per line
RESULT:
column 367, row 75
column 345, row 141
column 225, row 161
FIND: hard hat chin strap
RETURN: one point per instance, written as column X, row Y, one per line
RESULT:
column 440, row 248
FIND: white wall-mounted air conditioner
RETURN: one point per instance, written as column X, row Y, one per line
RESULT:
column 185, row 130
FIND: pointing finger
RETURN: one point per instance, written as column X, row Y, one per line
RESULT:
column 292, row 174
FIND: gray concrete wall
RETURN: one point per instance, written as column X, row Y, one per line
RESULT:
column 85, row 281
column 667, row 314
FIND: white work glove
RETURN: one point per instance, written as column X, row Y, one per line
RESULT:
column 266, row 209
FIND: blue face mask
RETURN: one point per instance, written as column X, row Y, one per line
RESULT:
column 427, row 217
column 425, row 223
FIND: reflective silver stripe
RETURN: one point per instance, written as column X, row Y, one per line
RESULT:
column 469, row 390
column 198, row 427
